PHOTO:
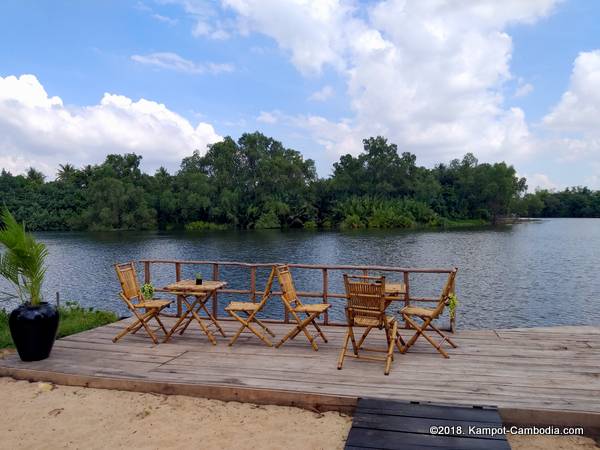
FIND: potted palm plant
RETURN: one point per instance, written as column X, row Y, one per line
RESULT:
column 33, row 324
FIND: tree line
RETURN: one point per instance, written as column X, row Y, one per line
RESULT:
column 256, row 182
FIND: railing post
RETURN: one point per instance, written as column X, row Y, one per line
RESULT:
column 453, row 318
column 178, row 278
column 406, row 295
column 325, row 291
column 147, row 272
column 253, row 283
column 215, row 302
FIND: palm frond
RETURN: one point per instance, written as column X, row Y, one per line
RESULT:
column 23, row 262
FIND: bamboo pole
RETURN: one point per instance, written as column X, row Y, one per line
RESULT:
column 215, row 302
column 325, row 294
column 179, row 299
column 253, row 283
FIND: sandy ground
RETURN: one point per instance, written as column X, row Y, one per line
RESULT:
column 70, row 417
column 551, row 443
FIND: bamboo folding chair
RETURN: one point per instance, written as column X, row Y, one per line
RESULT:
column 135, row 301
column 296, row 308
column 251, row 309
column 428, row 315
column 366, row 306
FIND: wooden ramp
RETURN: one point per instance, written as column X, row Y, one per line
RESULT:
column 522, row 371
column 388, row 424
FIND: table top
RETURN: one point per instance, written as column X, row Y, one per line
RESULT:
column 395, row 288
column 191, row 286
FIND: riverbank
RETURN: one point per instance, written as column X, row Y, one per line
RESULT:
column 73, row 319
column 98, row 418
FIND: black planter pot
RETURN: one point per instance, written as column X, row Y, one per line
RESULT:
column 33, row 330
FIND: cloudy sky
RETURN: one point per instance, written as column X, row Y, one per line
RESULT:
column 516, row 80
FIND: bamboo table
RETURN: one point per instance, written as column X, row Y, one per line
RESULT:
column 201, row 293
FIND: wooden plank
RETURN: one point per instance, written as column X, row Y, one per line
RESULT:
column 315, row 402
column 420, row 425
column 396, row 408
column 523, row 372
column 368, row 438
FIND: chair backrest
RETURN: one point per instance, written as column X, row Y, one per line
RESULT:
column 288, row 290
column 365, row 295
column 446, row 292
column 130, row 288
column 268, row 289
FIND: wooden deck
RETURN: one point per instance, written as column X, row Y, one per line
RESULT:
column 522, row 371
column 391, row 424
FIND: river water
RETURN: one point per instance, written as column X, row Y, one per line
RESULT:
column 530, row 274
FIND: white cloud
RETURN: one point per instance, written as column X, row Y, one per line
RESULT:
column 523, row 89
column 165, row 19
column 322, row 94
column 537, row 181
column 38, row 129
column 172, row 61
column 579, row 107
column 427, row 74
column 268, row 117
column 573, row 122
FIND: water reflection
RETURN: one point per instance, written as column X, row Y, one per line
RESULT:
column 526, row 275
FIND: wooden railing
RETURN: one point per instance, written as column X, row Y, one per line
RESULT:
column 325, row 294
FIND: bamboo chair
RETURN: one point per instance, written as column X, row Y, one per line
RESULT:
column 296, row 309
column 428, row 315
column 133, row 298
column 366, row 306
column 251, row 309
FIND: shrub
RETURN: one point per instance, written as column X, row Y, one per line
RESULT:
column 200, row 225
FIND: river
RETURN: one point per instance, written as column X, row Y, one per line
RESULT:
column 530, row 274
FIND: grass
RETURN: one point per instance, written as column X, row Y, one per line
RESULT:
column 73, row 319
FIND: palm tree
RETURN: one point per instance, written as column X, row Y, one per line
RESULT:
column 23, row 262
column 66, row 171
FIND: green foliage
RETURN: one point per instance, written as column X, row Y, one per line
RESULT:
column 73, row 319
column 147, row 291
column 200, row 225
column 267, row 220
column 452, row 304
column 256, row 182
column 572, row 202
column 23, row 261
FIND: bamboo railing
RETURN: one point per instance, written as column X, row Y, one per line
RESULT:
column 325, row 294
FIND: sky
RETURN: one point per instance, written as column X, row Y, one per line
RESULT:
column 515, row 81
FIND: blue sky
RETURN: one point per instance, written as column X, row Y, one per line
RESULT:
column 438, row 78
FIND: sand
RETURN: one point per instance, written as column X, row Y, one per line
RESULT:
column 42, row 415
column 72, row 417
column 551, row 443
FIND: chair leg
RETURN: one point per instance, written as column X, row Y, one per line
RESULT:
column 301, row 327
column 240, row 331
column 421, row 332
column 264, row 327
column 344, row 349
column 160, row 322
column 210, row 316
column 149, row 331
column 390, row 353
column 399, row 341
column 129, row 329
column 364, row 336
column 415, row 336
column 203, row 328
column 314, row 322
column 355, row 347
column 443, row 335
column 246, row 324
